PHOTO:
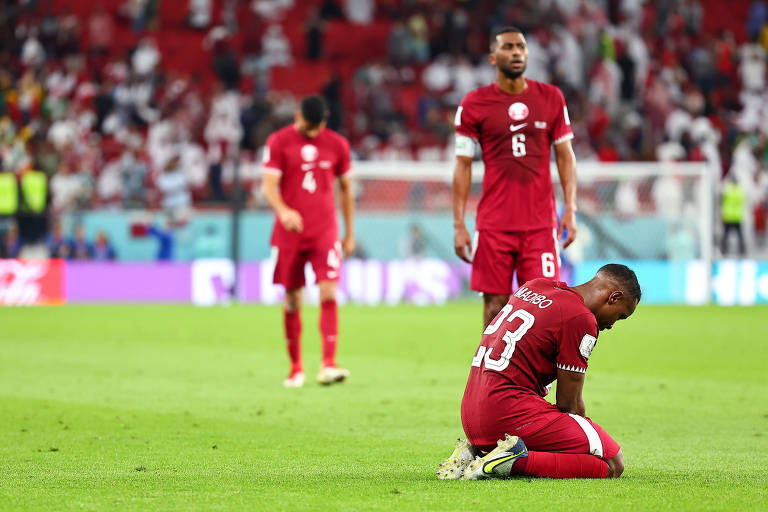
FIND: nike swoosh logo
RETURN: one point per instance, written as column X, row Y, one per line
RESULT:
column 488, row 468
column 515, row 127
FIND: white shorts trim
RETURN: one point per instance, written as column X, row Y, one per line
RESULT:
column 475, row 242
column 595, row 444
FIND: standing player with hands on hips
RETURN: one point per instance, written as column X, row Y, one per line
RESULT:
column 514, row 121
column 301, row 164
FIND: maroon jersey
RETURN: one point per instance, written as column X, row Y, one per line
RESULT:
column 544, row 326
column 307, row 168
column 515, row 132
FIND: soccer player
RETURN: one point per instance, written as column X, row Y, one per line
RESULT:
column 546, row 331
column 301, row 164
column 514, row 121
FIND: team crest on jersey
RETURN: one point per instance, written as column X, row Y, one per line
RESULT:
column 518, row 111
column 309, row 153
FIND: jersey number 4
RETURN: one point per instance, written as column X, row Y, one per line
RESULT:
column 511, row 338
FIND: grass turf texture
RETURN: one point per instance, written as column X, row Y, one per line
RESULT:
column 179, row 408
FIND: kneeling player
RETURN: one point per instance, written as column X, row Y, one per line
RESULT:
column 545, row 332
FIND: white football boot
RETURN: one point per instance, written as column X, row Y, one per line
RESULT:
column 296, row 380
column 453, row 467
column 331, row 374
column 498, row 462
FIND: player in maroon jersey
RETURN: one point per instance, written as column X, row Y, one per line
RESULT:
column 514, row 121
column 545, row 332
column 301, row 163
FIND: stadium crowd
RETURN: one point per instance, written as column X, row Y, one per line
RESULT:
column 138, row 104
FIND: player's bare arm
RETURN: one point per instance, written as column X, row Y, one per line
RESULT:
column 348, row 212
column 566, row 168
column 569, row 387
column 462, row 178
column 288, row 217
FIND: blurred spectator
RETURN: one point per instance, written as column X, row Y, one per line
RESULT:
column 102, row 249
column 359, row 11
column 145, row 58
column 58, row 245
column 415, row 244
column 165, row 240
column 81, row 248
column 70, row 190
column 200, row 13
column 133, row 171
column 732, row 214
column 330, row 10
column 11, row 243
column 223, row 133
column 172, row 184
column 313, row 29
column 100, row 31
column 277, row 48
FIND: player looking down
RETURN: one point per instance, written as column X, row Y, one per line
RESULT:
column 514, row 122
column 546, row 331
column 301, row 163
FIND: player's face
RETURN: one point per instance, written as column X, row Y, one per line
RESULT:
column 510, row 54
column 618, row 307
column 306, row 128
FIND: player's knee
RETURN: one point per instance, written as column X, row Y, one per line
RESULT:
column 327, row 290
column 616, row 465
column 292, row 300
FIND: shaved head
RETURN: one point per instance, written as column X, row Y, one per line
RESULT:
column 624, row 277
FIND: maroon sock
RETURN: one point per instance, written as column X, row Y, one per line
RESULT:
column 292, row 324
column 329, row 330
column 560, row 465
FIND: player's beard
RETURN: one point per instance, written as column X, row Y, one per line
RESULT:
column 513, row 74
column 509, row 73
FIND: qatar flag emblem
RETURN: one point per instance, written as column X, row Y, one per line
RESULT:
column 518, row 111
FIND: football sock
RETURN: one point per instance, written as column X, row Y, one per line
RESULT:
column 329, row 330
column 292, row 324
column 560, row 465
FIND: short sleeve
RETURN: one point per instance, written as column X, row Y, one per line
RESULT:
column 272, row 158
column 465, row 122
column 344, row 164
column 576, row 342
column 561, row 126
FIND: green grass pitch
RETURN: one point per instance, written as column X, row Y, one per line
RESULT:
column 182, row 408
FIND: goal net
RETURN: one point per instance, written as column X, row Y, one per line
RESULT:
column 655, row 217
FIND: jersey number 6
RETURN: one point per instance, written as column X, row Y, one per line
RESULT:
column 510, row 337
column 518, row 144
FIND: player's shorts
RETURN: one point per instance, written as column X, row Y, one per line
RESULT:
column 498, row 254
column 325, row 258
column 570, row 433
column 546, row 429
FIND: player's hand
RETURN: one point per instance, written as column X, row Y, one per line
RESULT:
column 567, row 223
column 291, row 220
column 462, row 243
column 348, row 245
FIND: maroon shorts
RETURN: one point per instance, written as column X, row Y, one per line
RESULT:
column 543, row 428
column 498, row 254
column 325, row 258
column 570, row 433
